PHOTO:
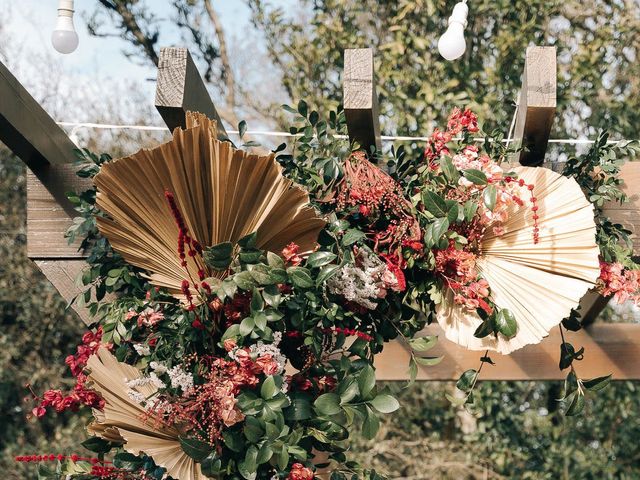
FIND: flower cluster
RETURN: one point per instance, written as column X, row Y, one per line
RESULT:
column 623, row 283
column 81, row 394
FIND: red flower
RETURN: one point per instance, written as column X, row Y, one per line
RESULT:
column 300, row 472
column 290, row 254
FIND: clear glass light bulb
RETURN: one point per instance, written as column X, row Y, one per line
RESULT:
column 64, row 37
column 451, row 44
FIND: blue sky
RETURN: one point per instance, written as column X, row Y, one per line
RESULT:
column 99, row 63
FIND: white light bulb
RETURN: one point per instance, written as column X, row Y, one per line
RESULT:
column 64, row 38
column 451, row 44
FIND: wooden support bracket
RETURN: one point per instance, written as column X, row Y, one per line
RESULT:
column 360, row 99
column 536, row 106
column 180, row 89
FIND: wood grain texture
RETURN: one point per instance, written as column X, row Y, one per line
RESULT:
column 628, row 214
column 47, row 219
column 27, row 129
column 360, row 98
column 536, row 105
column 63, row 275
column 610, row 348
column 180, row 89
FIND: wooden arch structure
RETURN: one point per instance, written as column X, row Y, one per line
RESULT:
column 48, row 152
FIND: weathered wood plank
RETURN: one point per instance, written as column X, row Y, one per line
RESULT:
column 609, row 348
column 628, row 214
column 47, row 220
column 180, row 89
column 536, row 105
column 63, row 275
column 360, row 99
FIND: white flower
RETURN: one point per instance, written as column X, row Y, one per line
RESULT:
column 364, row 281
column 158, row 367
column 180, row 379
column 142, row 349
column 136, row 396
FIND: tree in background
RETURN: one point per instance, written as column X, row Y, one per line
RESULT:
column 517, row 433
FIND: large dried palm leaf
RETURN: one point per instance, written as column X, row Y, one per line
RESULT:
column 540, row 283
column 123, row 420
column 222, row 193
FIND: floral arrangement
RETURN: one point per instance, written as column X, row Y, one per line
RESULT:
column 239, row 299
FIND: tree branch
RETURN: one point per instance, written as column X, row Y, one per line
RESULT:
column 227, row 72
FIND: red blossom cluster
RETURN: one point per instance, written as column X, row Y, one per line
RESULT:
column 80, row 395
column 237, row 308
column 349, row 332
column 300, row 472
column 304, row 383
column 212, row 406
column 458, row 269
column 621, row 282
column 459, row 120
column 99, row 467
column 290, row 254
column 370, row 196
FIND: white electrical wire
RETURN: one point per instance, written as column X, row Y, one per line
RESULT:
column 268, row 133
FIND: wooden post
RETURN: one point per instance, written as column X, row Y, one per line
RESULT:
column 536, row 106
column 360, row 99
column 180, row 89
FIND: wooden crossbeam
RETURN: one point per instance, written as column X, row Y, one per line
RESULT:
column 360, row 99
column 610, row 348
column 536, row 105
column 180, row 89
column 35, row 138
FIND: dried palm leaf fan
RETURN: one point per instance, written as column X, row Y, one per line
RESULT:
column 540, row 283
column 123, row 420
column 222, row 193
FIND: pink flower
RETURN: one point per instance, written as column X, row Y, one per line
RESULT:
column 268, row 365
column 290, row 254
column 230, row 344
column 300, row 472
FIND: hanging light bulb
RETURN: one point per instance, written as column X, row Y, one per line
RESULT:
column 451, row 44
column 64, row 38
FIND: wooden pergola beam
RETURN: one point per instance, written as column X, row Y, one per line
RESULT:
column 180, row 89
column 360, row 98
column 611, row 348
column 536, row 105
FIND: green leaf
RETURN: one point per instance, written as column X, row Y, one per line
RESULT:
column 449, row 170
column 489, row 196
column 470, row 209
column 300, row 277
column 272, row 296
column 246, row 326
column 264, row 454
column 320, row 259
column 423, row 344
column 351, row 236
column 366, row 380
column 261, row 274
column 97, row 445
column 434, row 203
column 475, row 176
column 370, row 425
column 440, row 227
column 269, row 389
column 506, row 323
column 257, row 302
column 274, row 260
column 596, row 384
column 300, row 409
column 242, row 128
column 233, row 440
column 195, row 449
column 576, row 403
column 429, row 361
column 326, row 273
column 328, row 404
column 385, row 403
column 248, row 466
column 211, row 466
column 244, row 280
column 465, row 382
column 248, row 241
